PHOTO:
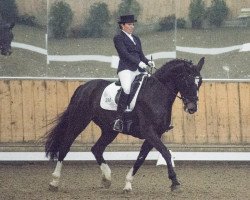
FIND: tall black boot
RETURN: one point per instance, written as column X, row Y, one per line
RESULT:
column 121, row 107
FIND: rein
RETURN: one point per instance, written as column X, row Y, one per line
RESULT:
column 176, row 94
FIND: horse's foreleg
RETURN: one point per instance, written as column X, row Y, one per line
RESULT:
column 56, row 177
column 98, row 149
column 145, row 149
column 129, row 179
column 156, row 142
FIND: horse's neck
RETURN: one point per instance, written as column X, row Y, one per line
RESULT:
column 168, row 86
column 172, row 90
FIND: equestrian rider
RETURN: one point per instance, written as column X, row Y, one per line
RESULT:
column 132, row 63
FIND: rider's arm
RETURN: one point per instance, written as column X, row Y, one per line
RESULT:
column 122, row 50
column 142, row 56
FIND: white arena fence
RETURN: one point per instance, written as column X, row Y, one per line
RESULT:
column 131, row 155
column 113, row 60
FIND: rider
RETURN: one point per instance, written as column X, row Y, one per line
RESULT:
column 132, row 63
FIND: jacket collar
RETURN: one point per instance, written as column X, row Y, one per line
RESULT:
column 127, row 37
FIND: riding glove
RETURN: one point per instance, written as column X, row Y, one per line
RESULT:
column 151, row 64
column 142, row 65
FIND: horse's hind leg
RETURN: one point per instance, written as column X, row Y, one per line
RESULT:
column 53, row 185
column 106, row 138
column 145, row 149
column 73, row 130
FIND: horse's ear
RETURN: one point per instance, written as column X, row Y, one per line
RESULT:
column 200, row 64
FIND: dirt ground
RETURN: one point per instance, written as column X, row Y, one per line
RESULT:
column 81, row 180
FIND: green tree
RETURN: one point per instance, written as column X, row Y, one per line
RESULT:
column 129, row 7
column 60, row 19
column 8, row 10
column 197, row 13
column 97, row 24
column 167, row 23
column 217, row 12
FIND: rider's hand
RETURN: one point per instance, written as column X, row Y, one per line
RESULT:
column 142, row 65
column 151, row 64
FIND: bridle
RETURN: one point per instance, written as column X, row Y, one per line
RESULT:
column 184, row 98
column 184, row 76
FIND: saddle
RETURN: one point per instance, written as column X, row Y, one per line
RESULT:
column 111, row 94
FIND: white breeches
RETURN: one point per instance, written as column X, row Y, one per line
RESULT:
column 127, row 77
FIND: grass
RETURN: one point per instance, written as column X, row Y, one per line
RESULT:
column 238, row 62
column 26, row 63
column 30, row 35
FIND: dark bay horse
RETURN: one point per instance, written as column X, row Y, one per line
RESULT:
column 6, row 36
column 151, row 118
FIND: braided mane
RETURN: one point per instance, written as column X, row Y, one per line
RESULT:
column 162, row 73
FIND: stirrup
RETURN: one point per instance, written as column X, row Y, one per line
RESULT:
column 118, row 125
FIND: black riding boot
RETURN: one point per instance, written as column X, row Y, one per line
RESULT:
column 121, row 107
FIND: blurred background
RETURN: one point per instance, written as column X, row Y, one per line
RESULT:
column 75, row 38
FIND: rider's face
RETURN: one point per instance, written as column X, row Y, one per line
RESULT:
column 128, row 27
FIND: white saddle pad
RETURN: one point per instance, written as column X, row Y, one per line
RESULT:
column 108, row 97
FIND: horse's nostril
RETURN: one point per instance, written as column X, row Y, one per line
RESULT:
column 191, row 111
column 190, row 108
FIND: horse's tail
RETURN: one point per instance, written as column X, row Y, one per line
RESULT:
column 55, row 135
column 58, row 134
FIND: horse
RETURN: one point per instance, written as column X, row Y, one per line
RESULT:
column 151, row 117
column 6, row 36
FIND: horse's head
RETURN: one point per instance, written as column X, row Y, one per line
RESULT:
column 188, row 83
column 6, row 36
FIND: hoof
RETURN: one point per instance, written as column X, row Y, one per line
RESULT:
column 128, row 188
column 175, row 187
column 127, row 191
column 53, row 188
column 106, row 183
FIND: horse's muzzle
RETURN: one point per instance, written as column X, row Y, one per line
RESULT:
column 190, row 107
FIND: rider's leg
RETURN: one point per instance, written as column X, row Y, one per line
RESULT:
column 121, row 107
column 126, row 78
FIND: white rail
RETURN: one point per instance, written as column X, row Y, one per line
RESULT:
column 113, row 59
column 128, row 155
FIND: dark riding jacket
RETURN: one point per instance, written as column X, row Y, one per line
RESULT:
column 130, row 54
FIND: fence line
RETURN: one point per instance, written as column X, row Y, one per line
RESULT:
column 105, row 78
column 130, row 155
column 29, row 47
column 28, row 107
column 208, row 51
column 114, row 59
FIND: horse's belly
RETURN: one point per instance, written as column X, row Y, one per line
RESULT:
column 136, row 135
